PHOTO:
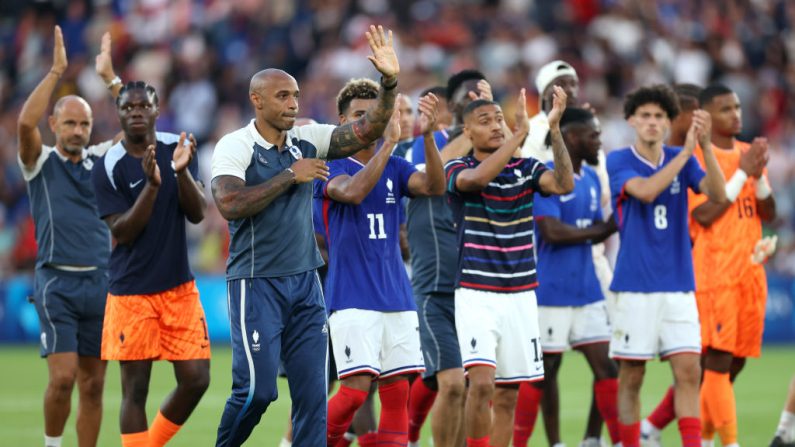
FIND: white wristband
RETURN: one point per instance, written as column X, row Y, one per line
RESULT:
column 763, row 190
column 735, row 185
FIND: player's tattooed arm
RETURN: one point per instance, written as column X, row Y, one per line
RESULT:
column 350, row 138
column 352, row 189
column 561, row 179
column 554, row 231
column 126, row 227
column 36, row 104
column 235, row 200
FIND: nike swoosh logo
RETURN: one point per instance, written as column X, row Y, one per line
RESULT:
column 567, row 197
column 134, row 184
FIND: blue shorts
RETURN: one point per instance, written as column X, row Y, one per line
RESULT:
column 436, row 312
column 71, row 308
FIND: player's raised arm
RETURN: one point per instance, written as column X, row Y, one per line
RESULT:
column 350, row 138
column 561, row 179
column 475, row 115
column 765, row 201
column 190, row 192
column 103, row 64
column 36, row 104
column 713, row 184
column 352, row 189
column 430, row 182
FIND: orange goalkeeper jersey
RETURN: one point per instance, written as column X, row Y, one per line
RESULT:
column 722, row 252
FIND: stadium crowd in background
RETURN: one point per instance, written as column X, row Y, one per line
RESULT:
column 200, row 56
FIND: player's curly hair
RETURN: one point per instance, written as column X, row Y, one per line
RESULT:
column 361, row 88
column 659, row 94
column 136, row 85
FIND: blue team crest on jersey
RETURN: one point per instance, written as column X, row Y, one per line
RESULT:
column 594, row 202
column 517, row 173
column 295, row 152
column 88, row 164
column 390, row 196
column 261, row 158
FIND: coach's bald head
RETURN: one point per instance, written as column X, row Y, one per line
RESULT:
column 274, row 95
column 71, row 123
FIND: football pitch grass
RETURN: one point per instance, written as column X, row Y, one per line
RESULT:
column 760, row 392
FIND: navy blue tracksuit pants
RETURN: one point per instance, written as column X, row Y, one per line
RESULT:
column 272, row 319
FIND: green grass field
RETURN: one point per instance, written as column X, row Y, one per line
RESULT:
column 760, row 394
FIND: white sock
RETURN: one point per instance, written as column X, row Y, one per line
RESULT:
column 648, row 429
column 52, row 441
column 349, row 436
column 707, row 443
column 733, row 444
column 560, row 444
column 786, row 426
column 414, row 444
column 285, row 443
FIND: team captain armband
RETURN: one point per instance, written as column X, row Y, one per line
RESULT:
column 763, row 190
column 735, row 185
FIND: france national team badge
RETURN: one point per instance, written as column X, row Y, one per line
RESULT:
column 517, row 173
column 88, row 164
column 390, row 196
column 675, row 186
column 593, row 199
column 295, row 152
column 261, row 158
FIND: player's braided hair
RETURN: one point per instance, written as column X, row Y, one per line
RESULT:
column 659, row 94
column 361, row 88
column 136, row 85
column 688, row 95
column 459, row 78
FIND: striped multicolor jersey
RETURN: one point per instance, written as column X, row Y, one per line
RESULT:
column 495, row 226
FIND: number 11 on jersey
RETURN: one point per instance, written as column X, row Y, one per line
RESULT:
column 376, row 233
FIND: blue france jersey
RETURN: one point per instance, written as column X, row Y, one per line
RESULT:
column 655, row 242
column 366, row 269
column 157, row 260
column 566, row 274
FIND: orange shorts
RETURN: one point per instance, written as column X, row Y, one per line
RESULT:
column 733, row 318
column 168, row 325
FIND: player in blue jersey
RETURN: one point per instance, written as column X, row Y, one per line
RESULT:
column 146, row 189
column 491, row 192
column 71, row 278
column 571, row 306
column 261, row 184
column 373, row 321
column 656, row 311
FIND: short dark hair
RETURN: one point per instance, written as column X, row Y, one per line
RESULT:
column 459, row 78
column 711, row 91
column 475, row 105
column 439, row 90
column 688, row 95
column 361, row 88
column 136, row 85
column 575, row 115
column 659, row 94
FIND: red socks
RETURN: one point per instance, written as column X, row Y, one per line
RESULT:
column 664, row 414
column 606, row 392
column 630, row 434
column 524, row 419
column 690, row 430
column 420, row 403
column 393, row 425
column 368, row 440
column 479, row 442
column 341, row 409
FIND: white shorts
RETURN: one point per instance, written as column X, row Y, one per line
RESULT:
column 564, row 327
column 383, row 344
column 500, row 330
column 651, row 324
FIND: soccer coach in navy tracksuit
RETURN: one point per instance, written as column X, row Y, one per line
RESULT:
column 262, row 184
